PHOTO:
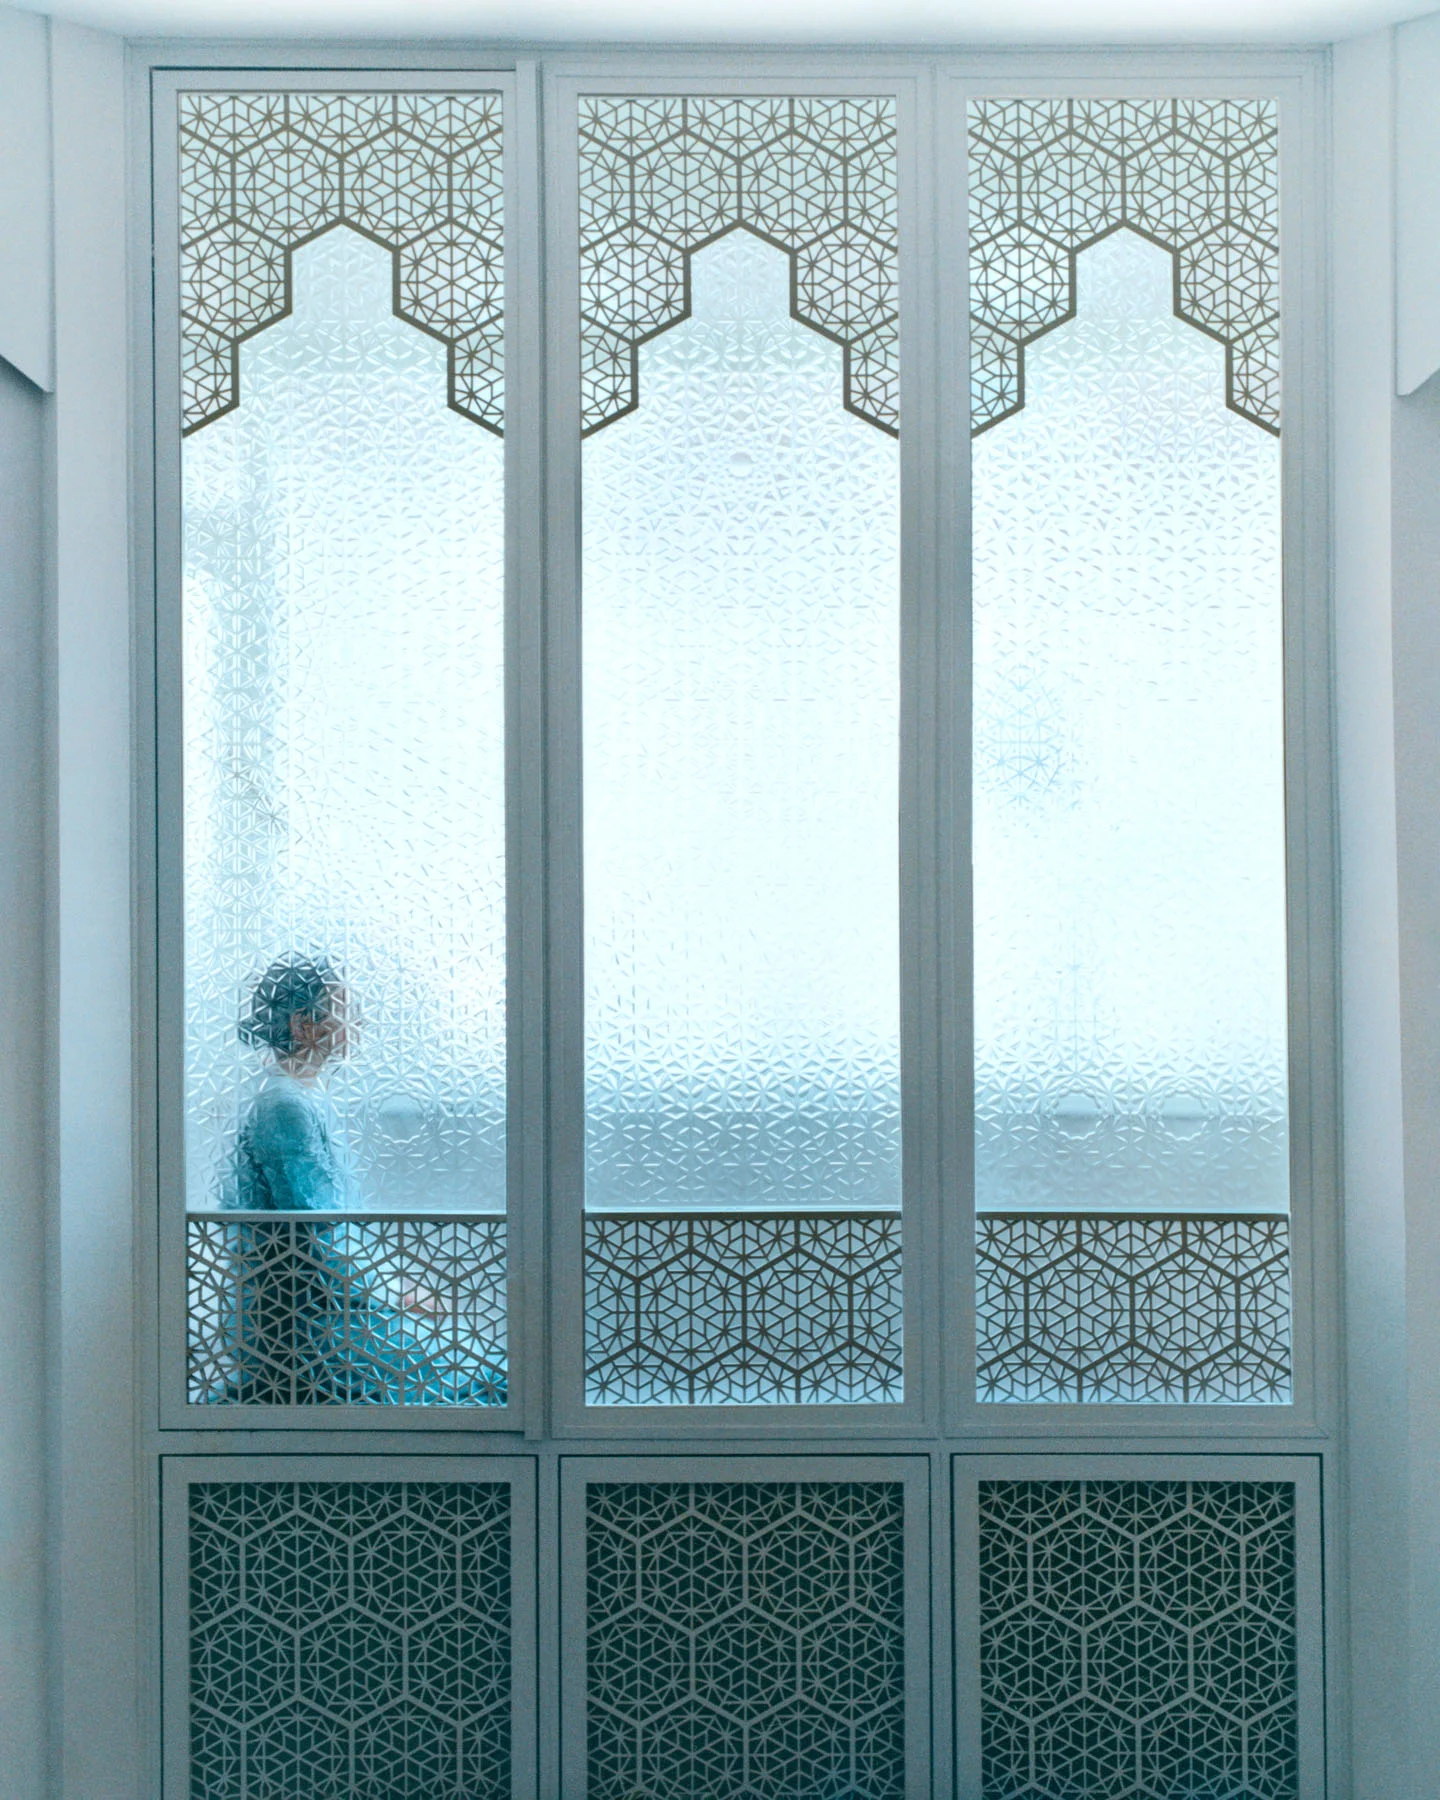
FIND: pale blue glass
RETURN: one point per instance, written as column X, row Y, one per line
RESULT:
column 1129, row 823
column 344, row 740
column 741, row 742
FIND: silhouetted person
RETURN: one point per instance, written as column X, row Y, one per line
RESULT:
column 307, row 1328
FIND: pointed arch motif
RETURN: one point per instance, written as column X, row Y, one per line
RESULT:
column 263, row 174
column 661, row 178
column 1049, row 178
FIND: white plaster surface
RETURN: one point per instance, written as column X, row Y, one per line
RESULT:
column 26, row 337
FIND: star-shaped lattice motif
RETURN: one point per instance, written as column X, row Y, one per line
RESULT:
column 1138, row 1640
column 262, row 174
column 1048, row 178
column 397, row 1311
column 660, row 178
column 745, row 1639
column 345, row 1636
column 1137, row 1307
column 733, row 1310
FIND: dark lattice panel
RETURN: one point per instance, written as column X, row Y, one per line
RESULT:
column 742, row 1310
column 262, row 174
column 1138, row 1640
column 661, row 178
column 745, row 1641
column 349, row 1641
column 381, row 1310
column 1139, row 1307
column 1197, row 177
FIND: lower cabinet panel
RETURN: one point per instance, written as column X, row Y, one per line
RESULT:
column 766, row 1627
column 1139, row 1627
column 341, row 1627
column 746, row 1627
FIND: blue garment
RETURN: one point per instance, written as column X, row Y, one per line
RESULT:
column 285, row 1160
column 307, row 1328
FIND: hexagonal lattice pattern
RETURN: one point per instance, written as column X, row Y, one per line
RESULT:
column 717, row 1309
column 420, row 174
column 1138, row 1640
column 661, row 178
column 1132, row 1307
column 349, row 1640
column 399, row 1311
column 745, row 1640
column 1197, row 177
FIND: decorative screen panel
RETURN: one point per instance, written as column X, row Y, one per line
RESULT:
column 344, row 732
column 420, row 174
column 350, row 1639
column 1115, row 1306
column 741, row 731
column 745, row 1640
column 1129, row 825
column 1138, row 1640
column 733, row 1310
column 391, row 1309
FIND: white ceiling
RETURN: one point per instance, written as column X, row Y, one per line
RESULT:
column 756, row 21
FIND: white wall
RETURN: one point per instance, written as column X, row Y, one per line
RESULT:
column 22, row 1120
column 1416, row 603
column 69, row 1646
column 1387, row 638
column 93, row 1499
column 69, row 1517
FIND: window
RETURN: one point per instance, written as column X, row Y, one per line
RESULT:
column 731, row 923
column 741, row 699
column 1131, row 1109
column 342, row 320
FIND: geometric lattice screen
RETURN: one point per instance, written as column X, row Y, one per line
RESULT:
column 663, row 177
column 1138, row 1640
column 728, row 1310
column 745, row 1640
column 350, row 1640
column 397, row 1311
column 265, row 173
column 1048, row 178
column 1143, row 1308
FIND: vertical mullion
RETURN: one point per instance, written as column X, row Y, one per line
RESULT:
column 956, row 986
column 564, row 840
column 923, row 685
column 1309, row 779
column 525, row 726
column 169, row 794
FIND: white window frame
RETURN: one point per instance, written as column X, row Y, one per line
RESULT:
column 938, row 1422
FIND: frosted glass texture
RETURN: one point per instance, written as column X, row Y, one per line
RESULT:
column 741, row 741
column 1129, row 832
column 344, row 738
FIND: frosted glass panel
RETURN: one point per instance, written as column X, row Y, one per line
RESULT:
column 741, row 735
column 344, row 752
column 1130, row 998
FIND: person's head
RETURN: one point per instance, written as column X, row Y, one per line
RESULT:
column 297, row 1010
